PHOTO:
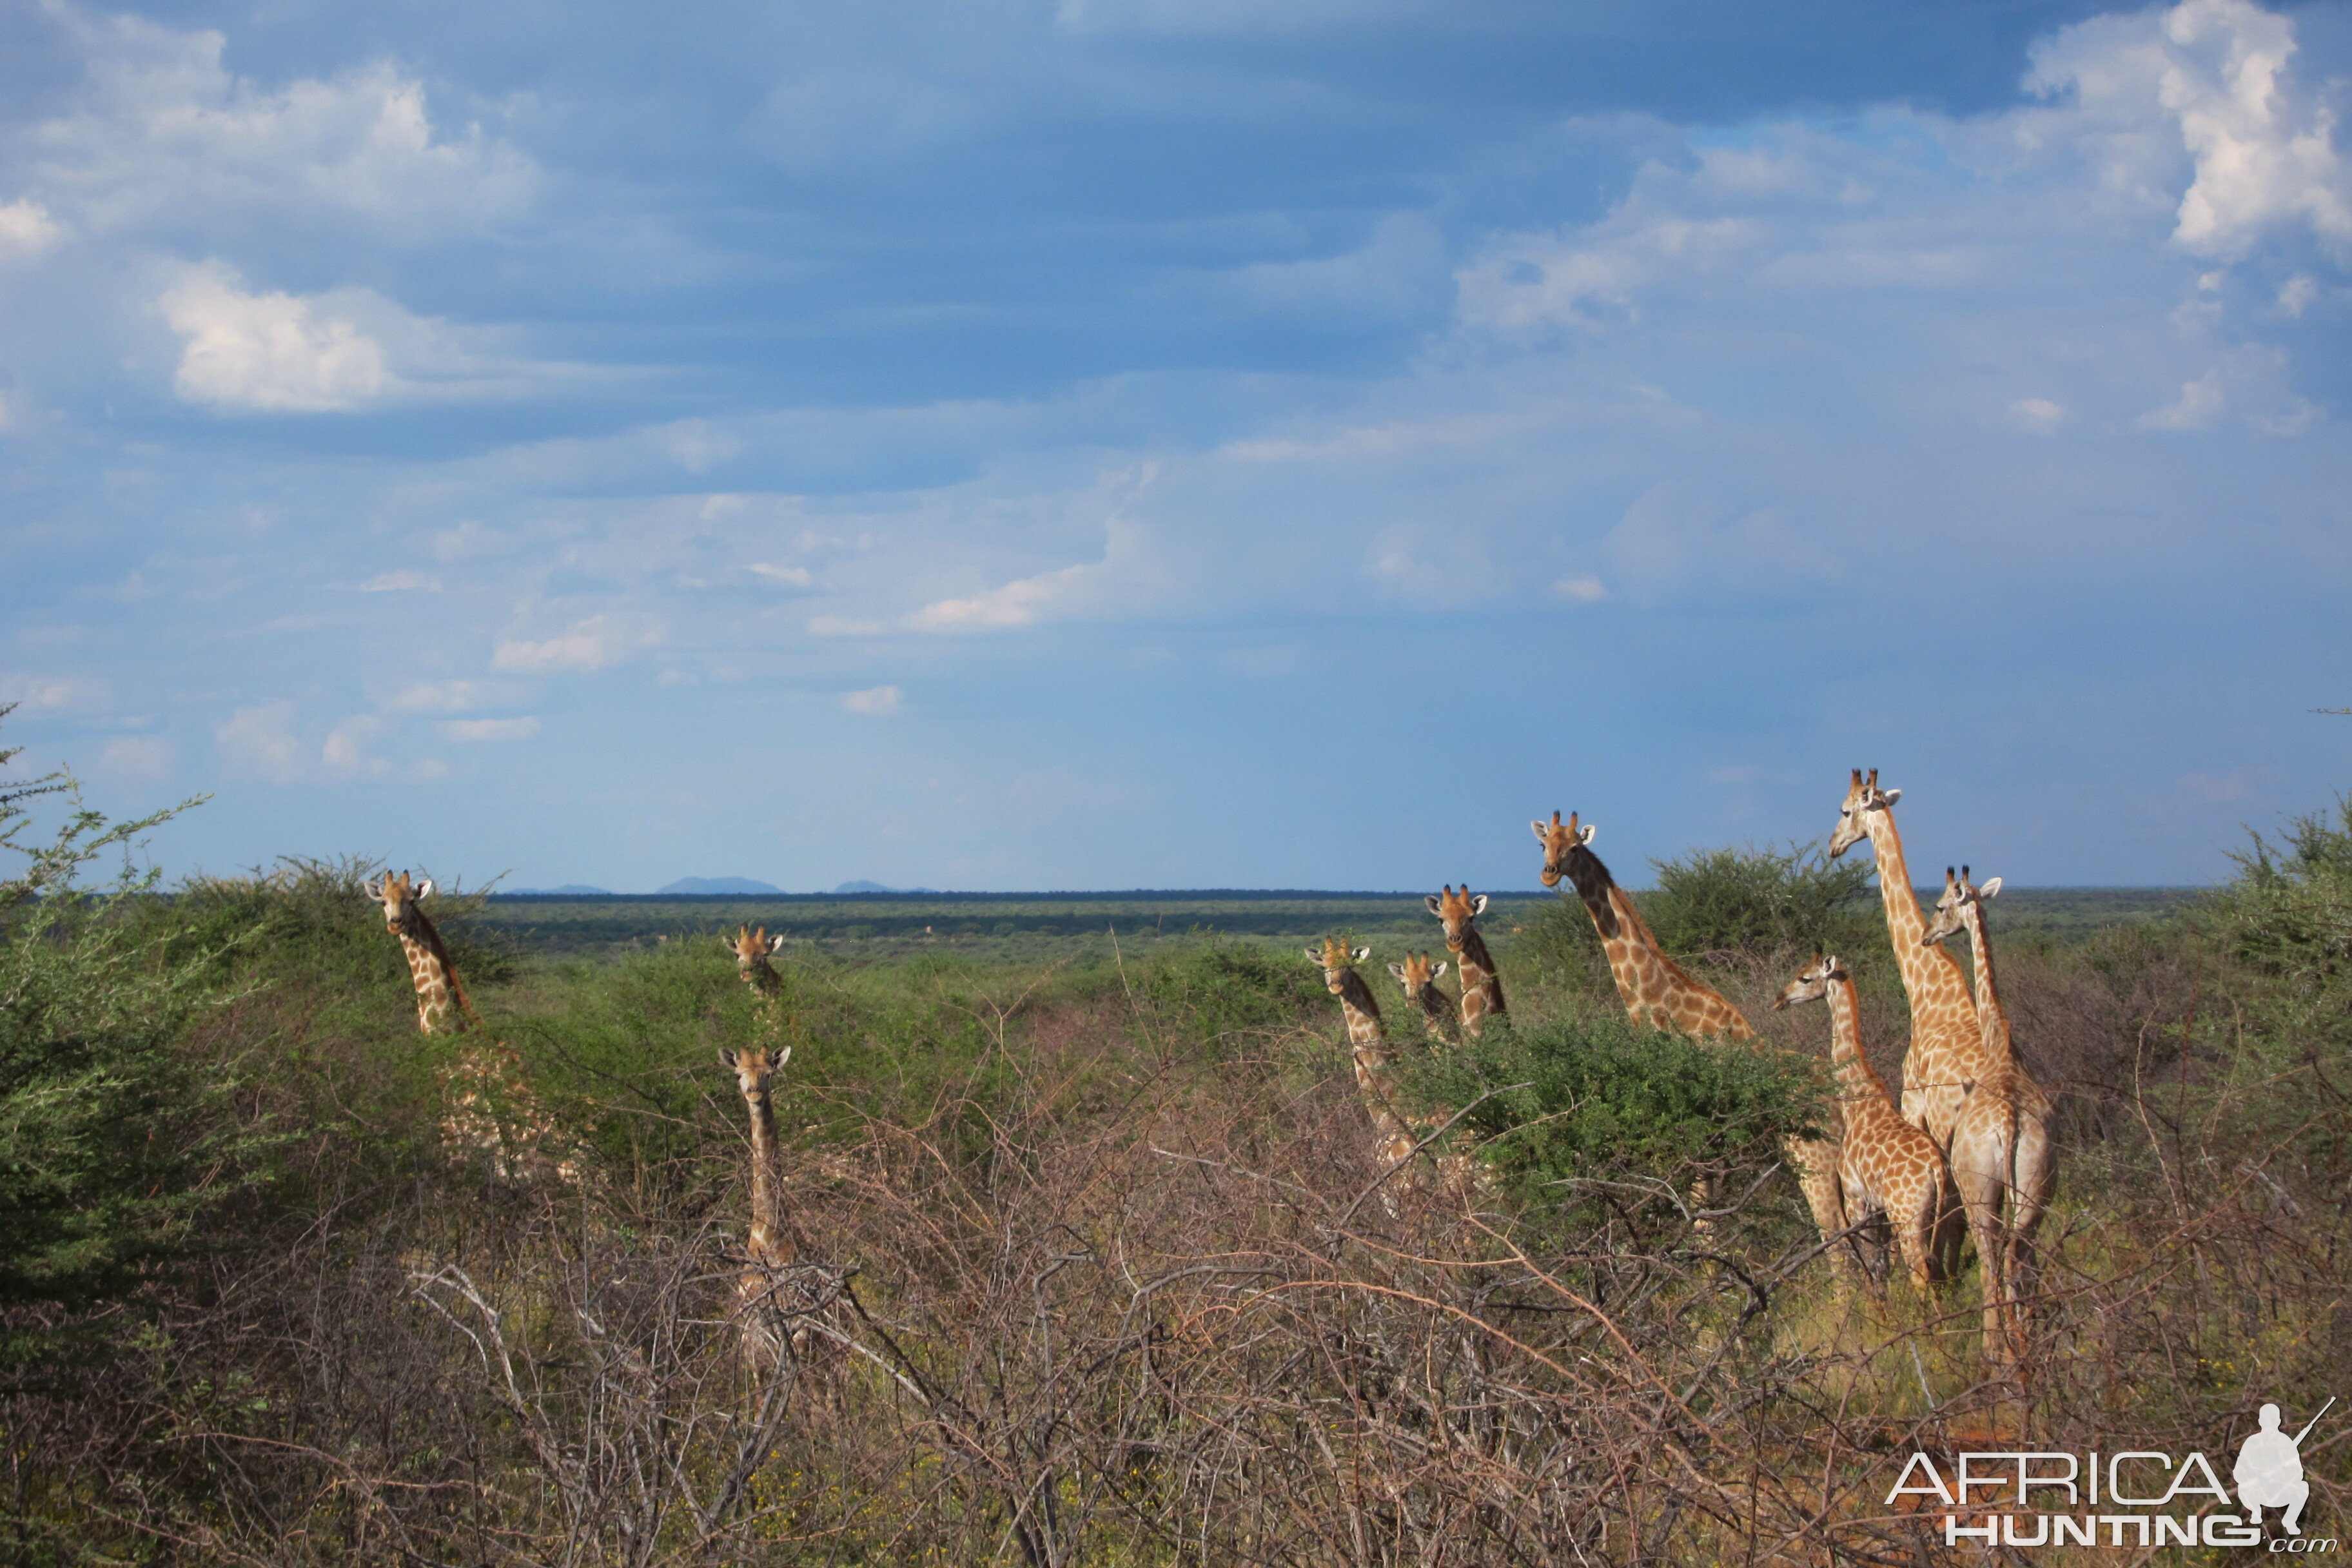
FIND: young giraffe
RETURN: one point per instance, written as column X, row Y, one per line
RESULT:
column 2001, row 1155
column 1884, row 1165
column 1659, row 993
column 1420, row 979
column 1393, row 1141
column 1481, row 988
column 770, row 1244
column 488, row 1101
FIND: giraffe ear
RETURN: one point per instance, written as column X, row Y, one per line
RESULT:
column 1893, row 796
column 1362, row 953
column 1397, row 970
column 1584, row 834
column 1315, row 953
column 1988, row 889
column 727, row 1057
column 776, row 942
column 1478, row 906
column 778, row 1065
column 424, row 890
column 730, row 946
column 373, row 891
column 1434, row 908
column 1543, row 834
column 1437, row 970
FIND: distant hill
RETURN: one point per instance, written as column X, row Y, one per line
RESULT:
column 573, row 889
column 691, row 885
column 877, row 887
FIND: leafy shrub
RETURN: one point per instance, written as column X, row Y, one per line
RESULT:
column 1593, row 1095
column 1758, row 903
column 112, row 1141
column 1223, row 989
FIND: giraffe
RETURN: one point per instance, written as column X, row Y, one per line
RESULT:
column 442, row 1006
column 1661, row 993
column 1481, row 988
column 770, row 1244
column 1419, row 978
column 488, row 1102
column 1393, row 1141
column 1884, row 1165
column 1946, row 1052
column 750, row 949
column 2001, row 1155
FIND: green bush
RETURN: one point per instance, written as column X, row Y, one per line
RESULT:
column 1592, row 1095
column 113, row 1141
column 1220, row 989
column 1761, row 903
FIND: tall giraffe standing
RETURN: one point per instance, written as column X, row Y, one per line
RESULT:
column 1482, row 987
column 1393, row 1141
column 1946, row 1051
column 1661, row 993
column 1419, row 978
column 2002, row 1154
column 488, row 1102
column 1884, row 1165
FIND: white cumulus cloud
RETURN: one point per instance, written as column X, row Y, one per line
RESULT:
column 26, row 229
column 878, row 700
column 268, row 352
column 260, row 740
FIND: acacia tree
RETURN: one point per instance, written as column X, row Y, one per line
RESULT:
column 112, row 1141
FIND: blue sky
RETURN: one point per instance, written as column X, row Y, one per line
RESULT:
column 1173, row 443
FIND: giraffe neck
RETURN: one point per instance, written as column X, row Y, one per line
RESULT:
column 769, row 1242
column 1857, row 1079
column 760, row 977
column 1993, row 1019
column 441, row 1002
column 1437, row 1010
column 1362, row 1012
column 1931, row 977
column 1656, row 990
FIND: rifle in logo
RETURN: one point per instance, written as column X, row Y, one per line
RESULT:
column 2269, row 1472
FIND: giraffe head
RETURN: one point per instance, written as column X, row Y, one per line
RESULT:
column 1455, row 911
column 752, row 947
column 1415, row 974
column 1561, row 841
column 1336, row 960
column 755, row 1067
column 1952, row 908
column 1813, row 983
column 1862, row 797
column 399, row 897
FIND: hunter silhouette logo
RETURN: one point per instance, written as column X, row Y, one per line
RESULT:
column 2269, row 1470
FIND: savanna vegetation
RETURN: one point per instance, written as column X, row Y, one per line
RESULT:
column 1102, row 1268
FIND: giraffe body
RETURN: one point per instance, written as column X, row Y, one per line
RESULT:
column 1419, row 977
column 1482, row 987
column 1884, row 1165
column 2001, row 1155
